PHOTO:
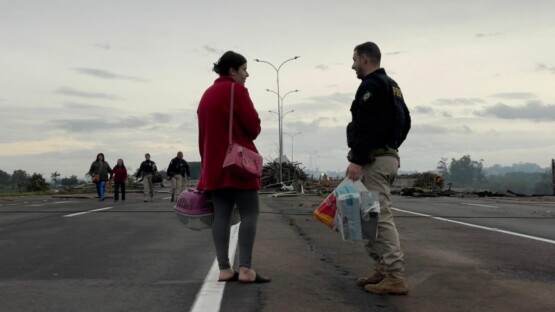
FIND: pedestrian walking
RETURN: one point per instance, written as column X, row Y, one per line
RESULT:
column 147, row 170
column 119, row 176
column 178, row 171
column 99, row 171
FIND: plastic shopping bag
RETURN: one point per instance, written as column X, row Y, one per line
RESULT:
column 347, row 217
column 325, row 213
column 370, row 213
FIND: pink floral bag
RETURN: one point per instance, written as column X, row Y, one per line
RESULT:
column 240, row 160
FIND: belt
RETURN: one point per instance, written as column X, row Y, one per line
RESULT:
column 384, row 151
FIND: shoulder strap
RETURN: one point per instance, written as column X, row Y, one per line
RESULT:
column 231, row 114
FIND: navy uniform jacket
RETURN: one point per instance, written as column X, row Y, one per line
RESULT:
column 147, row 167
column 380, row 117
column 178, row 166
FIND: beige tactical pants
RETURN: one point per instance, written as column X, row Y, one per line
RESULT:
column 148, row 186
column 179, row 184
column 386, row 249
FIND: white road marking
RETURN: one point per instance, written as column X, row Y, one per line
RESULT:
column 479, row 205
column 209, row 298
column 65, row 202
column 35, row 205
column 85, row 212
column 541, row 239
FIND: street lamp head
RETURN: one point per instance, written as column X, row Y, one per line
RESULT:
column 256, row 60
column 296, row 57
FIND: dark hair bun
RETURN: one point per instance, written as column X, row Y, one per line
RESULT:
column 229, row 60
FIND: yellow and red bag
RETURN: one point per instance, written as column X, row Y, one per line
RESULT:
column 325, row 213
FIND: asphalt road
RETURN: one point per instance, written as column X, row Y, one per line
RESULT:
column 136, row 256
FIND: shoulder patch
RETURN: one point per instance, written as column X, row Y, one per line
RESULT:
column 366, row 95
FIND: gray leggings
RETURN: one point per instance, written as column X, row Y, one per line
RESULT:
column 247, row 203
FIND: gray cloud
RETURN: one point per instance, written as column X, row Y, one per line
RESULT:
column 542, row 67
column 394, row 53
column 105, row 46
column 336, row 97
column 104, row 74
column 447, row 115
column 515, row 95
column 322, row 67
column 89, row 95
column 102, row 124
column 533, row 110
column 212, row 50
column 424, row 109
column 437, row 130
column 483, row 35
column 161, row 117
column 459, row 101
column 79, row 106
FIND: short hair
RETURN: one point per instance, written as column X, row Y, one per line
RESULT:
column 229, row 60
column 371, row 50
column 147, row 154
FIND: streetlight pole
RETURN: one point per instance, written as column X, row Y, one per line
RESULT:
column 280, row 101
column 292, row 137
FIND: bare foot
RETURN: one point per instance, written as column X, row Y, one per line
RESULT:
column 226, row 274
column 246, row 274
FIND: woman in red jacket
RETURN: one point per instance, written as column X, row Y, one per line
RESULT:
column 226, row 189
column 119, row 174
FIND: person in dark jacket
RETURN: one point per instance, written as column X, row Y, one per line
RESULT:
column 100, row 168
column 225, row 188
column 119, row 176
column 380, row 123
column 178, row 171
column 147, row 170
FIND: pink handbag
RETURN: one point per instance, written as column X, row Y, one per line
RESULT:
column 240, row 160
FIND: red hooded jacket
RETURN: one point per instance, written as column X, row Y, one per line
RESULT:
column 213, row 123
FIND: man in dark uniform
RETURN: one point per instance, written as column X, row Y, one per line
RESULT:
column 380, row 123
column 148, row 170
column 178, row 171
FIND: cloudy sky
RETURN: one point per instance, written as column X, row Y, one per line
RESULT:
column 125, row 77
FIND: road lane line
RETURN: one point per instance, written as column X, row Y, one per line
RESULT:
column 479, row 205
column 65, row 202
column 541, row 239
column 209, row 298
column 85, row 212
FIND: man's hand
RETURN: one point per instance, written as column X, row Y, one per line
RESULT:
column 354, row 172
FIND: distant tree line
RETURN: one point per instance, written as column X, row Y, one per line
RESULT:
column 21, row 181
column 523, row 178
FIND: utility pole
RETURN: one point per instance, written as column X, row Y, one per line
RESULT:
column 553, row 174
column 280, row 111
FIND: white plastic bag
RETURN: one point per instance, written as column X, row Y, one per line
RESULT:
column 353, row 227
column 347, row 216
